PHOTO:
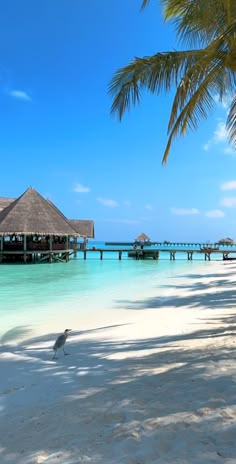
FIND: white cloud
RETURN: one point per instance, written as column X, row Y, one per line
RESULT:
column 228, row 202
column 184, row 212
column 224, row 103
column 108, row 202
column 79, row 188
column 219, row 136
column 230, row 185
column 229, row 151
column 206, row 146
column 20, row 95
column 148, row 207
column 215, row 213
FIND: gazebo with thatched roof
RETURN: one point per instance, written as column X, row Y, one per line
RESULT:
column 142, row 238
column 34, row 229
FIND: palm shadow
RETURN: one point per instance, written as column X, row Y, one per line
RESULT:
column 141, row 397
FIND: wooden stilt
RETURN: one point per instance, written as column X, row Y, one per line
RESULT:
column 75, row 247
column 25, row 249
column 50, row 248
column 67, row 247
column 1, row 249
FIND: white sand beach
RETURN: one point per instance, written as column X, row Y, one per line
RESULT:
column 151, row 382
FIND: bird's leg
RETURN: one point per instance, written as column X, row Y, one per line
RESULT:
column 65, row 354
column 54, row 357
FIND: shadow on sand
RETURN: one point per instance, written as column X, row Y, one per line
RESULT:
column 145, row 401
column 109, row 396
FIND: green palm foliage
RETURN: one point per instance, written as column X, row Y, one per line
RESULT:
column 206, row 70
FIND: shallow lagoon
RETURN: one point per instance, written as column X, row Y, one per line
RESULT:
column 37, row 298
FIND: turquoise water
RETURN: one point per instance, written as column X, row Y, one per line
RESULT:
column 42, row 296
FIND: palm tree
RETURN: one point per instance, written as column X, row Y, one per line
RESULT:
column 206, row 70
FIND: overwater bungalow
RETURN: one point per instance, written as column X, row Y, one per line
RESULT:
column 33, row 229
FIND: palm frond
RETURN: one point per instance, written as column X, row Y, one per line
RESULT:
column 144, row 4
column 231, row 123
column 155, row 73
column 197, row 107
column 213, row 56
column 197, row 21
column 198, row 75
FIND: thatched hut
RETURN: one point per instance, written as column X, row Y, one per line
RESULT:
column 34, row 229
column 142, row 238
column 226, row 241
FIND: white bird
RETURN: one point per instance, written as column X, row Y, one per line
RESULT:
column 60, row 342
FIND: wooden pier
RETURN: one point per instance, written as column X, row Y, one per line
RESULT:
column 135, row 254
column 172, row 244
column 155, row 254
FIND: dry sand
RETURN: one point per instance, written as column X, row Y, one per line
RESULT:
column 152, row 383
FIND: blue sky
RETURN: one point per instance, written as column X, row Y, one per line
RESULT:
column 56, row 60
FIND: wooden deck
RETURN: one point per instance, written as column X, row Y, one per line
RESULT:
column 143, row 254
column 171, row 244
column 32, row 256
column 155, row 253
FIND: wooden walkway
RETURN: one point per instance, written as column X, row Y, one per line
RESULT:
column 151, row 253
column 171, row 244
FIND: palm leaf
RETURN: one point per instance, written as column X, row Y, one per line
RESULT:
column 198, row 75
column 144, row 4
column 197, row 107
column 155, row 73
column 198, row 21
column 215, row 54
column 231, row 123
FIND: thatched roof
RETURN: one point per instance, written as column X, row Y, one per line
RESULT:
column 85, row 228
column 227, row 240
column 32, row 214
column 143, row 238
column 4, row 202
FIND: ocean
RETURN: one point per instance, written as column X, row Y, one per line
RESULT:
column 41, row 298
